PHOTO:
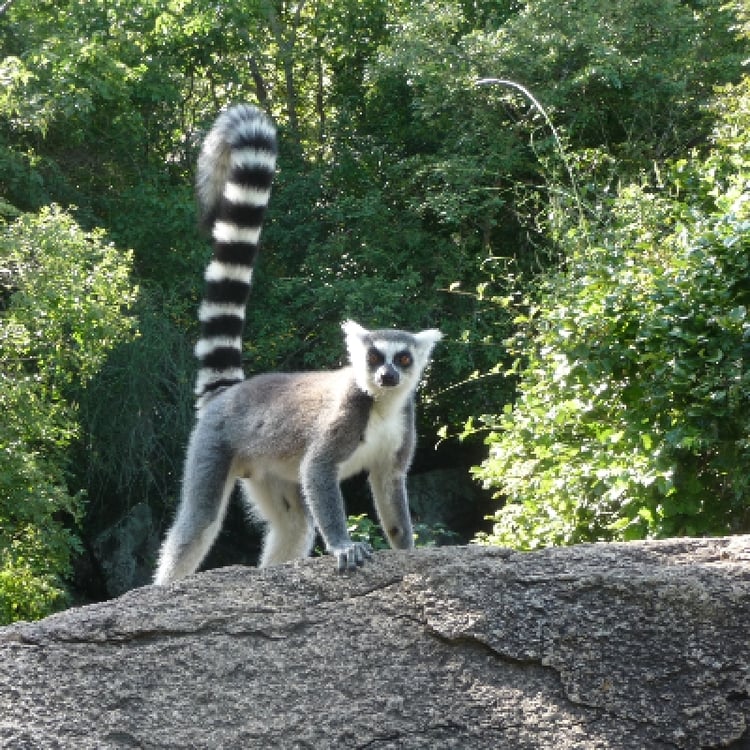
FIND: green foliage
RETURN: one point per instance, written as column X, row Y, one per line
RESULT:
column 401, row 185
column 628, row 78
column 363, row 529
column 633, row 411
column 434, row 535
column 62, row 303
column 138, row 456
column 399, row 175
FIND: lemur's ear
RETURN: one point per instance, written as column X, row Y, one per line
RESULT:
column 428, row 339
column 350, row 328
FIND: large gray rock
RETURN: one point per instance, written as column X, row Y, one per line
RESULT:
column 645, row 645
column 126, row 551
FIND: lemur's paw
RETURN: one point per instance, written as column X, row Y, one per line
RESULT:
column 351, row 556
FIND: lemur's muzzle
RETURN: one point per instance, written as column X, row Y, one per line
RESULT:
column 388, row 376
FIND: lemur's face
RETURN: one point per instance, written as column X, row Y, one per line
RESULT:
column 388, row 363
column 387, row 360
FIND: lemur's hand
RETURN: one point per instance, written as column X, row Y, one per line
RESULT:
column 352, row 555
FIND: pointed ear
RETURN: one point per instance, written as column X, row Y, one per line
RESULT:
column 353, row 330
column 427, row 339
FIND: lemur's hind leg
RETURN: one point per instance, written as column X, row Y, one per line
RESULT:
column 207, row 485
column 290, row 533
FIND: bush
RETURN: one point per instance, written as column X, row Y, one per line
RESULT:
column 633, row 412
column 148, row 382
column 363, row 529
column 63, row 297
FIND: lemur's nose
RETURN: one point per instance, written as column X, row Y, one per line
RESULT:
column 388, row 376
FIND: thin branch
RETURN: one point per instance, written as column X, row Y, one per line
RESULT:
column 551, row 126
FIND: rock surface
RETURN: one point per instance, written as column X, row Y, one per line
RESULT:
column 645, row 645
column 126, row 551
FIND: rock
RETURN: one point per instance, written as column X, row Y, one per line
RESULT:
column 123, row 551
column 126, row 551
column 642, row 645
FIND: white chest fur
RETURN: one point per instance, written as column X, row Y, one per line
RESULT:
column 383, row 437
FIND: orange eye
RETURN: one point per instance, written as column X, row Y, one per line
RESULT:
column 403, row 359
column 374, row 358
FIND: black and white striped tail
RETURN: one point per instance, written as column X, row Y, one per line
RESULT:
column 235, row 170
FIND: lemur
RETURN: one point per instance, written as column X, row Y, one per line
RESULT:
column 289, row 438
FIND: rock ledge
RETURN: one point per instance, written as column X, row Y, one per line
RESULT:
column 642, row 645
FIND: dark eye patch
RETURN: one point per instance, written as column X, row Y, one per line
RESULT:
column 375, row 358
column 403, row 359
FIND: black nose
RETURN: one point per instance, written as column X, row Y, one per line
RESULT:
column 388, row 376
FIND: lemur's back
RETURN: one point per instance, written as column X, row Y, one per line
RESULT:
column 255, row 414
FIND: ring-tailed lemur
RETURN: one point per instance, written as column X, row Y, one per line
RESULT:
column 289, row 438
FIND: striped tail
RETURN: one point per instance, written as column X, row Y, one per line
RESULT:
column 235, row 171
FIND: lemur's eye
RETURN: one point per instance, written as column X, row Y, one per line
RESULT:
column 403, row 359
column 374, row 358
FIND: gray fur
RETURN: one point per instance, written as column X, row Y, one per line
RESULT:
column 290, row 439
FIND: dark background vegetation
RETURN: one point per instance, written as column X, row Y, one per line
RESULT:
column 592, row 281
